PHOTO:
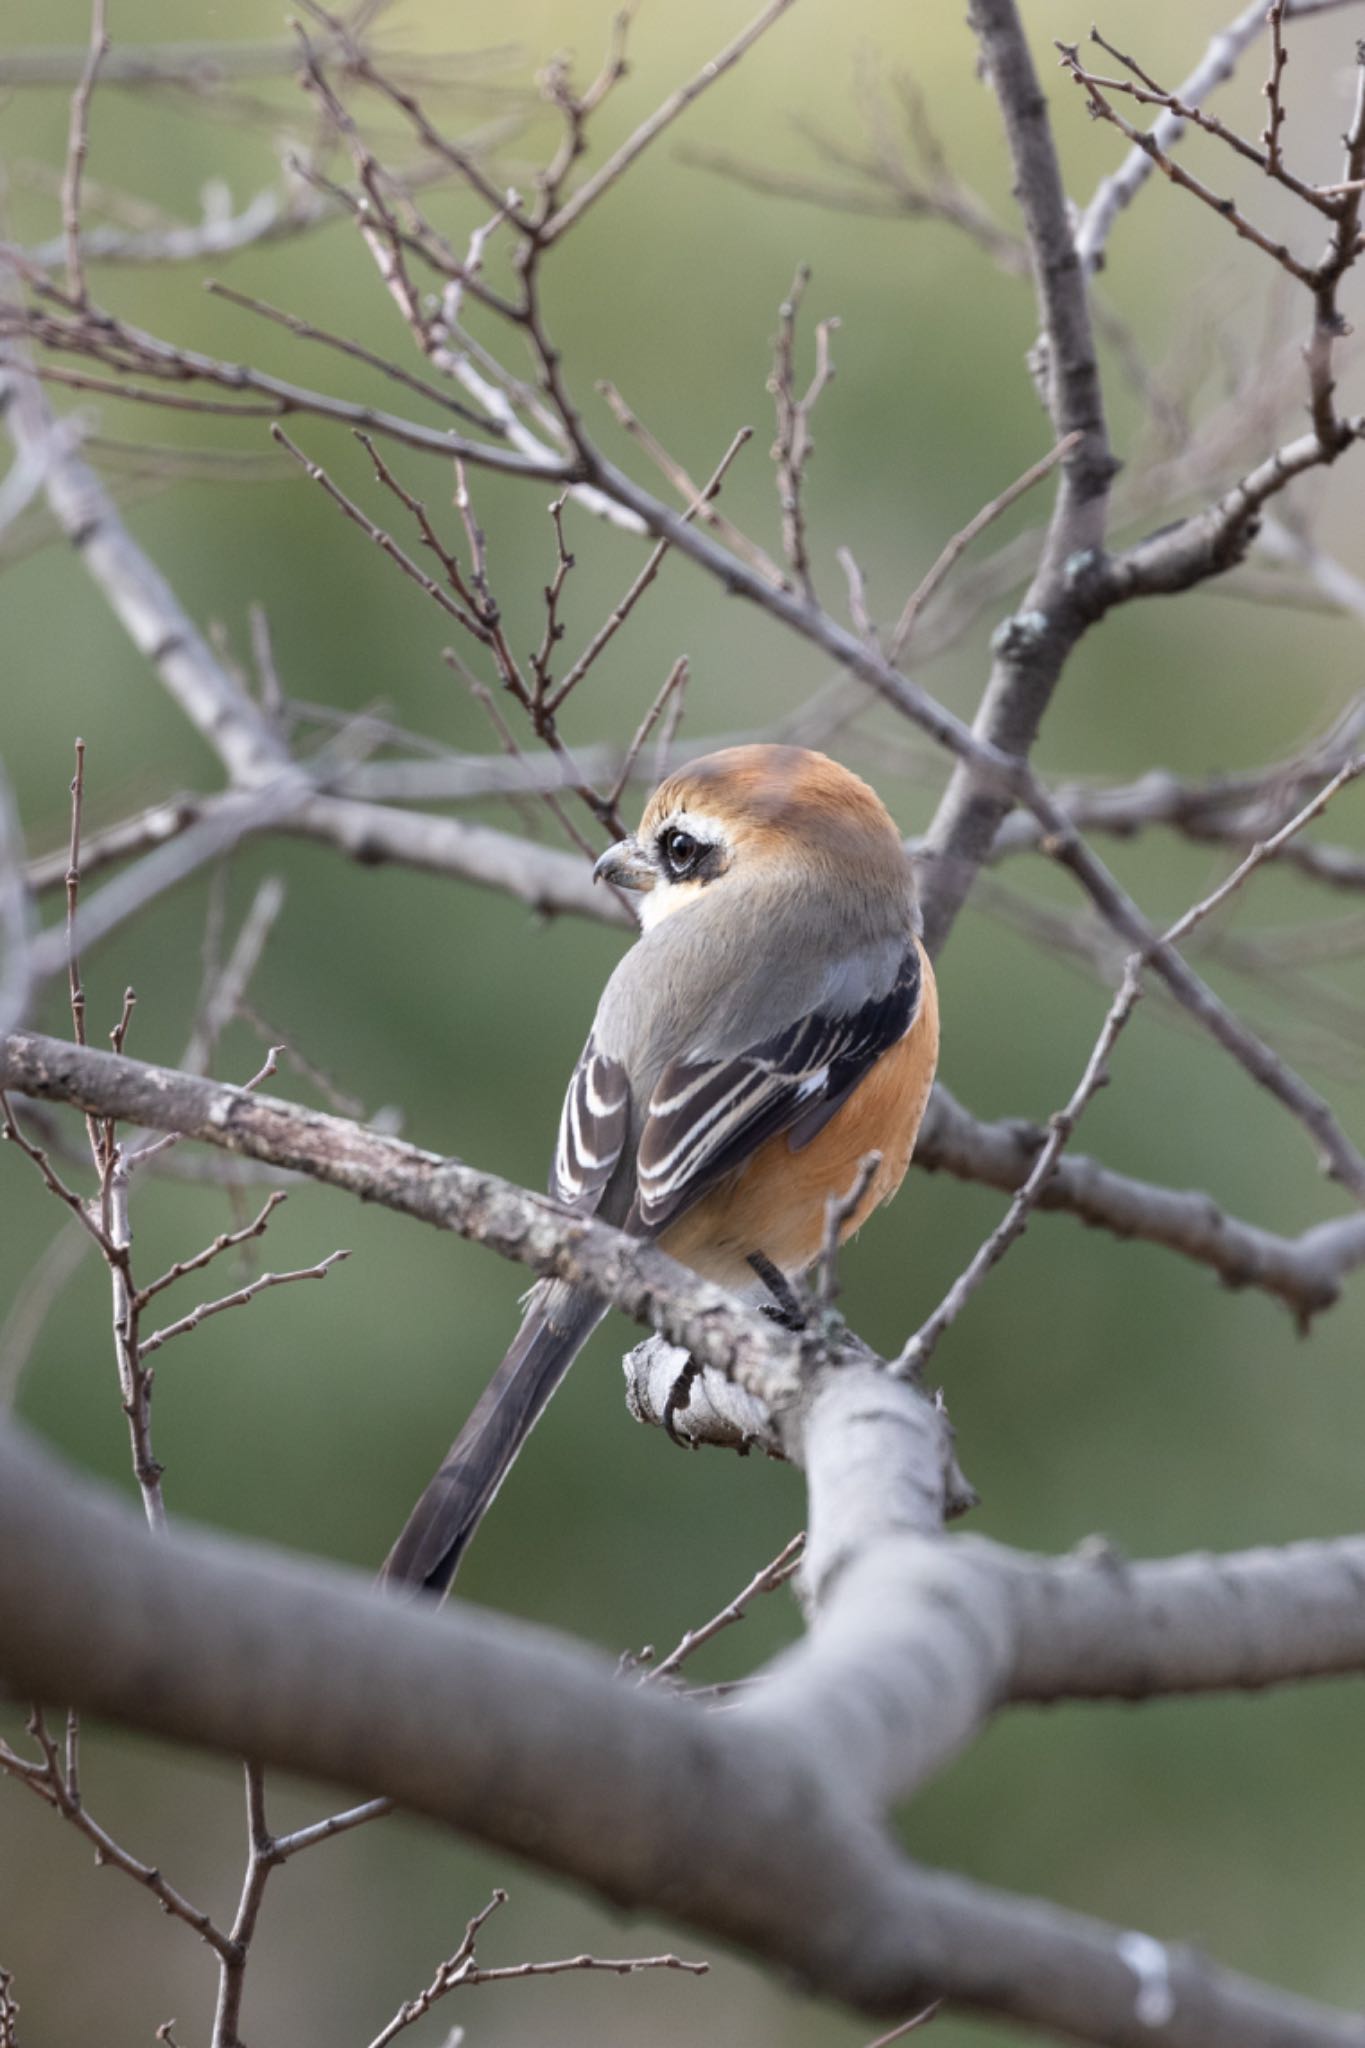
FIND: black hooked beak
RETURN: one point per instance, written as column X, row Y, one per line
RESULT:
column 627, row 865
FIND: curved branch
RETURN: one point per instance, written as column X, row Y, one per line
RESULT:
column 1306, row 1272
column 730, row 1824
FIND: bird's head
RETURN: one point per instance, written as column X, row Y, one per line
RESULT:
column 755, row 815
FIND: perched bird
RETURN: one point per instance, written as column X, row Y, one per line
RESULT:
column 775, row 1023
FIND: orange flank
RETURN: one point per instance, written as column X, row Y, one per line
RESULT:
column 883, row 1114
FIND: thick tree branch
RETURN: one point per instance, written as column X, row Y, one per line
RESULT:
column 1306, row 1272
column 636, row 1277
column 1188, row 1624
column 526, row 1741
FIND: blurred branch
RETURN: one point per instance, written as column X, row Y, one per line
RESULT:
column 1216, row 67
column 373, row 834
column 521, row 1739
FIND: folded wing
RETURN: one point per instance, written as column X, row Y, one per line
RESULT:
column 706, row 1117
column 592, row 1130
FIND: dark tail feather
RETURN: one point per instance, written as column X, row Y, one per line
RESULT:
column 557, row 1325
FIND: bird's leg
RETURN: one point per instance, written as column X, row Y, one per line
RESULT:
column 680, row 1397
column 785, row 1307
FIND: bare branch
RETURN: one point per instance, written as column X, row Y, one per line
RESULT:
column 1216, row 66
column 76, row 150
column 1306, row 1272
column 1062, row 1124
column 548, row 881
column 774, row 1574
column 225, row 1242
column 840, row 1210
column 619, row 613
column 677, row 103
column 1028, row 660
column 793, row 446
column 239, row 1299
column 48, row 1781
column 461, row 1969
column 905, row 626
column 692, row 494
column 505, row 1718
column 1227, row 209
column 345, row 345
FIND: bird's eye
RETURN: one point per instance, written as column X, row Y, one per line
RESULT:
column 681, row 852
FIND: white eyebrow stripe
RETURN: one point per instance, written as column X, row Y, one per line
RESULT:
column 709, row 830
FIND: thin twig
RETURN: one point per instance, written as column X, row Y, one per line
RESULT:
column 461, row 1969
column 840, row 1210
column 220, row 1244
column 677, row 102
column 335, row 1824
column 690, row 492
column 773, row 1575
column 962, row 540
column 243, row 1295
column 910, row 2026
column 793, row 446
column 307, row 331
column 1272, row 87
column 1227, row 209
column 48, row 1781
column 381, row 537
column 675, row 680
column 262, row 1857
column 78, row 143
column 1062, row 1124
column 621, row 611
column 73, row 887
column 11, row 1132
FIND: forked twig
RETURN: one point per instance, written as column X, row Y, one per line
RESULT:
column 461, row 1969
column 919, row 1348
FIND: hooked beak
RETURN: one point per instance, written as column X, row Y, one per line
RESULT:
column 627, row 865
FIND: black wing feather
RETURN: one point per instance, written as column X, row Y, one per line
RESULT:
column 592, row 1130
column 707, row 1117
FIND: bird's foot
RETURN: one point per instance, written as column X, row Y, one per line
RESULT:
column 786, row 1307
column 680, row 1397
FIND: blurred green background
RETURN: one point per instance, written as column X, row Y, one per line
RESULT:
column 1095, row 1385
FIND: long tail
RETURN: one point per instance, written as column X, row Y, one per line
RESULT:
column 558, row 1323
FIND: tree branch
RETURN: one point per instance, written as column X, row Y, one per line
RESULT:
column 1306, row 1272
column 1031, row 651
column 523, row 1740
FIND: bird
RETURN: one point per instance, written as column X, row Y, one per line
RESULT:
column 773, row 1025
